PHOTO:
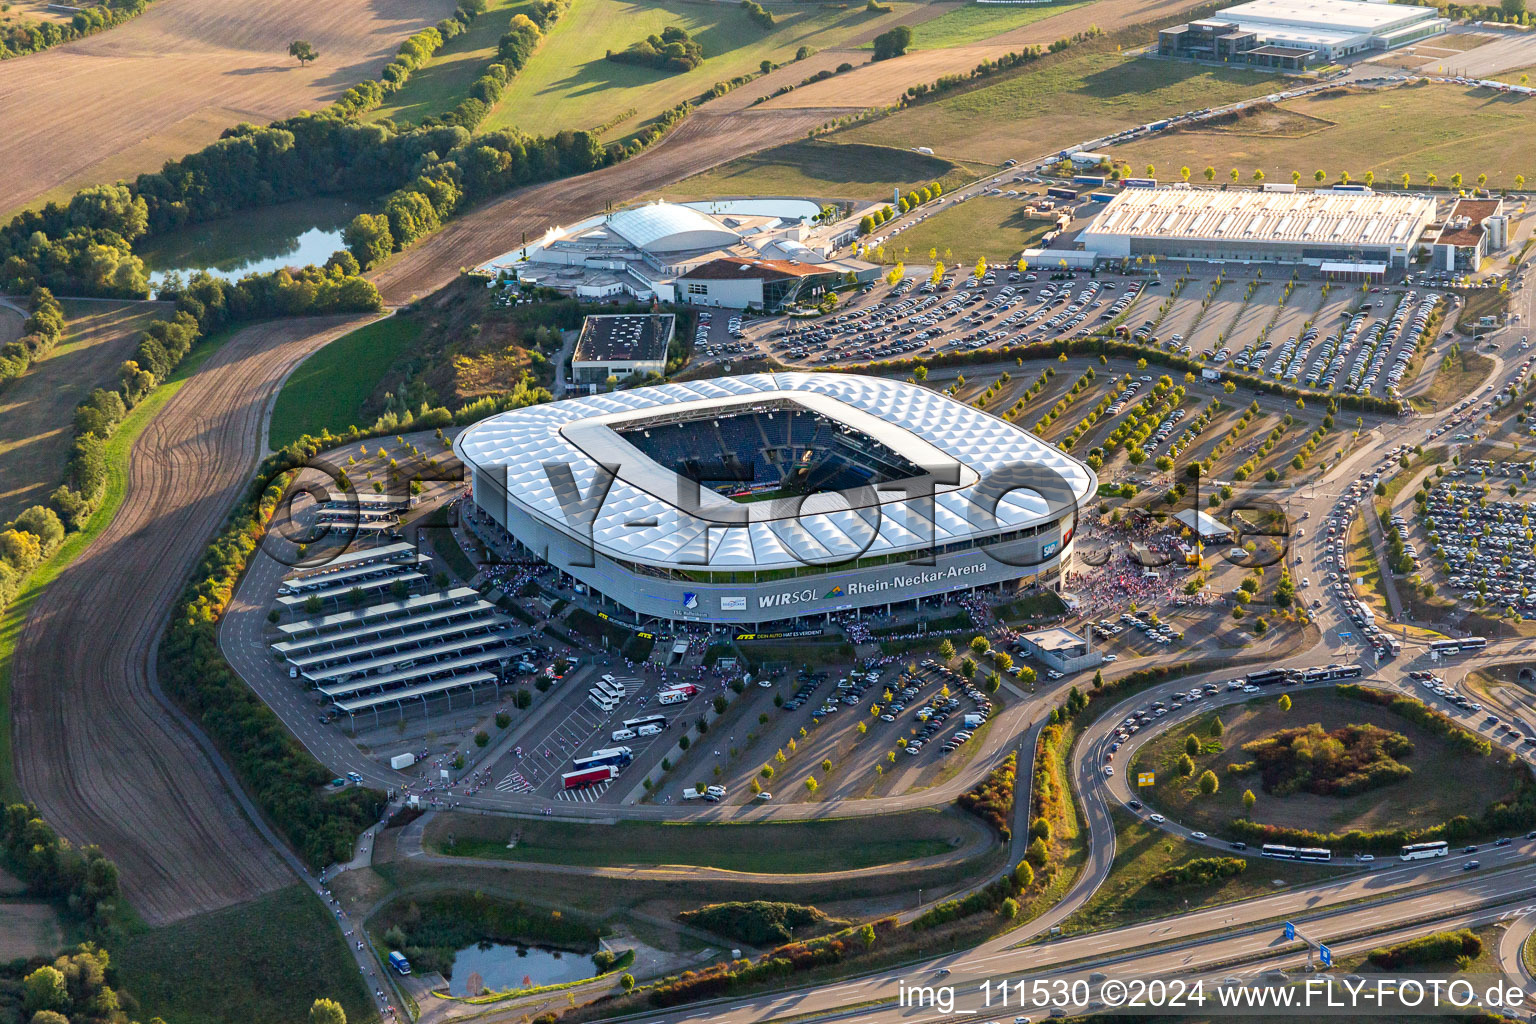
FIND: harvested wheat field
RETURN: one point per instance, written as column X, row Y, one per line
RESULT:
column 37, row 410
column 128, row 772
column 878, row 84
column 170, row 80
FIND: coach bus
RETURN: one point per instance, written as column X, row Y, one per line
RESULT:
column 1280, row 852
column 1423, row 851
column 1446, row 648
column 644, row 720
column 618, row 757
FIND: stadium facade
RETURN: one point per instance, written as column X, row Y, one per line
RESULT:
column 777, row 498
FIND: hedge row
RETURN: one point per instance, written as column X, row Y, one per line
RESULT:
column 41, row 333
column 413, row 53
column 991, row 799
column 1439, row 947
column 22, row 37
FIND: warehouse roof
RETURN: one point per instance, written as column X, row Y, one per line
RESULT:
column 1464, row 226
column 1331, row 219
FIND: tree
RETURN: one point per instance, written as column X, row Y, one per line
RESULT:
column 1186, row 766
column 1209, row 784
column 326, row 1011
column 1248, row 801
column 1210, row 174
column 626, row 981
column 1151, row 171
column 979, row 645
column 1319, row 176
column 893, row 43
column 810, row 784
column 368, row 238
column 301, row 51
column 967, row 668
column 1295, row 177
column 1235, row 174
column 1512, row 8
column 1192, row 745
column 1037, row 853
column 1258, row 174
column 946, row 649
column 45, row 989
column 1285, row 702
column 1456, row 180
column 1003, row 660
column 1184, row 173
column 1024, row 875
column 1216, row 727
column 981, row 267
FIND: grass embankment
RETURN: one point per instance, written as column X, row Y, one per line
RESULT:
column 1478, row 304
column 328, row 389
column 117, row 452
column 1440, row 129
column 972, row 23
column 798, row 847
column 1056, row 101
column 824, row 170
column 568, row 84
column 993, row 228
column 1459, row 374
column 262, row 962
column 1444, row 781
column 1130, row 895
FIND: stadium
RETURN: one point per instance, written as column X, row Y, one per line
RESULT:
column 773, row 498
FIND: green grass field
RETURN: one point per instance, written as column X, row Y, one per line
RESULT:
column 1455, row 378
column 1141, row 851
column 993, row 228
column 1444, row 129
column 1443, row 784
column 975, row 22
column 263, row 962
column 1056, row 101
column 440, row 84
column 569, row 83
column 118, row 449
column 328, row 389
column 823, row 171
column 799, row 847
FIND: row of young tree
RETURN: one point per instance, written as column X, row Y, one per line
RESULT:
column 23, row 36
column 41, row 332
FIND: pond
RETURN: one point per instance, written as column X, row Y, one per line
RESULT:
column 287, row 235
column 501, row 966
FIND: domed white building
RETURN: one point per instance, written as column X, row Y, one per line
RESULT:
column 642, row 252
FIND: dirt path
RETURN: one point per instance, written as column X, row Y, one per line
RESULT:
column 37, row 409
column 169, row 81
column 104, row 760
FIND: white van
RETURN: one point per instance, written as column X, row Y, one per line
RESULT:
column 689, row 793
column 646, row 730
column 623, row 734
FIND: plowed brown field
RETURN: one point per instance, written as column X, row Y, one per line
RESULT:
column 106, row 761
column 166, row 83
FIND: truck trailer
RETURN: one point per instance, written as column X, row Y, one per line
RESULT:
column 589, row 776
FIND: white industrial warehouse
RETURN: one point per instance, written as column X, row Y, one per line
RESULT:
column 1308, row 30
column 1322, row 227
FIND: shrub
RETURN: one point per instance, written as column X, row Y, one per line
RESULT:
column 992, row 798
column 758, row 922
column 1201, row 871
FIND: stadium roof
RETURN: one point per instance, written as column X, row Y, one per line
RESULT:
column 1334, row 219
column 666, row 227
column 978, row 460
column 736, row 268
